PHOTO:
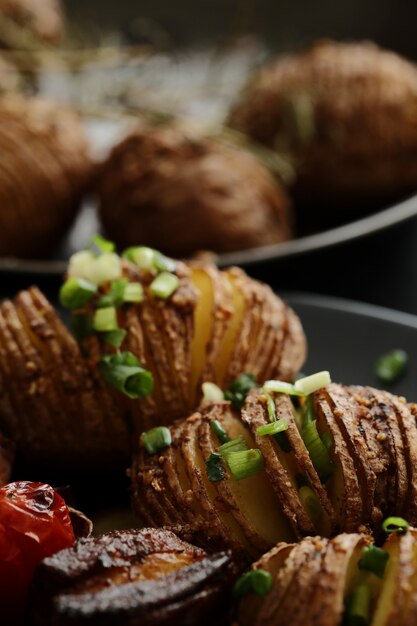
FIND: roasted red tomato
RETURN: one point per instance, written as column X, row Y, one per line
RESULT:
column 34, row 523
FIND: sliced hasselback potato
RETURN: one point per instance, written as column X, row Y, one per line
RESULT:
column 148, row 339
column 339, row 459
column 44, row 169
column 148, row 577
column 164, row 180
column 309, row 105
column 333, row 582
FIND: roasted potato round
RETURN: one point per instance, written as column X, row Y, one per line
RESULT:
column 332, row 582
column 345, row 460
column 44, row 168
column 347, row 114
column 55, row 402
column 41, row 19
column 147, row 577
column 183, row 193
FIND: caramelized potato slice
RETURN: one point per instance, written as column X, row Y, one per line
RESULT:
column 129, row 577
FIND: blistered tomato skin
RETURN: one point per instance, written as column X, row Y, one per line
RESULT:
column 34, row 524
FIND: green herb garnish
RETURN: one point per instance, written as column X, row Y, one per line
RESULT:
column 239, row 389
column 156, row 439
column 215, row 469
column 124, row 372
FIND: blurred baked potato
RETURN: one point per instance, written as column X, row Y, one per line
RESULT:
column 341, row 463
column 54, row 398
column 147, row 577
column 183, row 193
column 345, row 580
column 44, row 169
column 347, row 114
column 40, row 20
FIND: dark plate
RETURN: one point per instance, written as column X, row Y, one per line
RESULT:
column 347, row 338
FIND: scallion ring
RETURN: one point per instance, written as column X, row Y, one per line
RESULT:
column 219, row 431
column 76, row 293
column 211, row 393
column 374, row 560
column 124, row 372
column 156, row 439
column 164, row 285
column 395, row 525
column 105, row 320
column 256, row 581
column 244, row 463
column 214, row 467
column 318, row 452
column 234, row 445
column 272, row 429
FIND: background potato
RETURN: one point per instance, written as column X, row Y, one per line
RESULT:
column 44, row 168
column 183, row 193
column 347, row 114
column 41, row 19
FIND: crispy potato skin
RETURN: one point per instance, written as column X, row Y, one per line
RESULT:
column 55, row 404
column 129, row 578
column 347, row 113
column 43, row 19
column 44, row 163
column 309, row 582
column 182, row 193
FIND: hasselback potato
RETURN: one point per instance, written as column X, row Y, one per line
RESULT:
column 44, row 169
column 147, row 577
column 183, row 193
column 345, row 580
column 55, row 400
column 342, row 462
column 347, row 114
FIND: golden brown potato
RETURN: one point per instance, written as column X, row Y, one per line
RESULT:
column 41, row 19
column 347, row 114
column 55, row 403
column 183, row 193
column 147, row 577
column 347, row 476
column 44, row 169
column 315, row 583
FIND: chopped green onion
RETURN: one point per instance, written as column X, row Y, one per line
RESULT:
column 311, row 503
column 212, row 393
column 359, row 606
column 164, row 263
column 270, row 405
column 141, row 256
column 307, row 411
column 124, row 372
column 317, row 450
column 133, row 293
column 374, row 560
column 96, row 269
column 82, row 326
column 309, row 384
column 156, row 439
column 327, row 439
column 256, row 581
column 215, row 469
column 100, row 245
column 115, row 337
column 219, row 431
column 395, row 525
column 280, row 386
column 105, row 320
column 391, row 366
column 76, row 292
column 272, row 429
column 164, row 285
column 244, row 463
column 234, row 445
column 115, row 295
column 239, row 389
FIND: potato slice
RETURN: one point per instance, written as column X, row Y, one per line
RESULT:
column 343, row 486
column 143, row 576
column 396, row 588
column 251, row 501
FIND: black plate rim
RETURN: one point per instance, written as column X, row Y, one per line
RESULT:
column 358, row 229
column 355, row 307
